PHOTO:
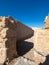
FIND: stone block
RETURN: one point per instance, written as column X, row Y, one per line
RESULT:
column 7, row 40
column 3, row 55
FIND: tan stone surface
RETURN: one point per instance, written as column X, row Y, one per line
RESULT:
column 7, row 33
column 30, row 55
column 41, row 44
column 42, row 41
column 11, row 31
column 38, row 58
column 2, row 55
column 46, row 22
column 7, row 40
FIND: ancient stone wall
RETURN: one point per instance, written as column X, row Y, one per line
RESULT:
column 7, row 40
column 11, row 31
column 46, row 22
column 40, row 50
column 41, row 44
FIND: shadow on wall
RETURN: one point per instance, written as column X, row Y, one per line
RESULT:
column 23, row 47
column 46, row 61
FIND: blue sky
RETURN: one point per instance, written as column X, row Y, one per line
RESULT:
column 29, row 12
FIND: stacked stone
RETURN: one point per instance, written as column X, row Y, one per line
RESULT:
column 7, row 39
column 21, row 61
column 11, row 31
column 46, row 23
column 41, row 45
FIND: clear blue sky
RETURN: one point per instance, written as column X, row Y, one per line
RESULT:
column 29, row 12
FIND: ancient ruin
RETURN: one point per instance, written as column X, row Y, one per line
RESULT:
column 40, row 42
column 11, row 31
column 31, row 46
column 46, row 22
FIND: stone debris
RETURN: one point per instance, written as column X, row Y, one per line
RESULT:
column 21, row 61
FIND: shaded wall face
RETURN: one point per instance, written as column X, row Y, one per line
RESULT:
column 11, row 39
column 10, row 32
column 7, row 40
column 23, row 31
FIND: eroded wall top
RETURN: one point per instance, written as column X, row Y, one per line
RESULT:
column 46, row 22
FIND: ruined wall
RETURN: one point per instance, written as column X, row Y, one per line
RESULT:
column 46, row 22
column 23, row 31
column 40, row 49
column 7, row 40
column 41, row 44
column 11, row 31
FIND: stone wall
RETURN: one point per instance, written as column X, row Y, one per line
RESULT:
column 41, row 45
column 7, row 40
column 11, row 31
column 46, row 22
column 40, row 50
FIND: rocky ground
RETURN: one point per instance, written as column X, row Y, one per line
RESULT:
column 21, row 61
column 25, row 57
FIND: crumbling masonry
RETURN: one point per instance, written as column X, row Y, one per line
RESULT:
column 11, row 31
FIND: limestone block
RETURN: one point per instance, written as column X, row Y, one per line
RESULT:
column 46, row 25
column 38, row 58
column 1, row 39
column 10, row 44
column 46, row 22
column 7, row 40
column 42, row 44
column 30, row 55
column 8, row 33
column 3, row 32
column 3, row 42
column 2, row 22
column 2, row 55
